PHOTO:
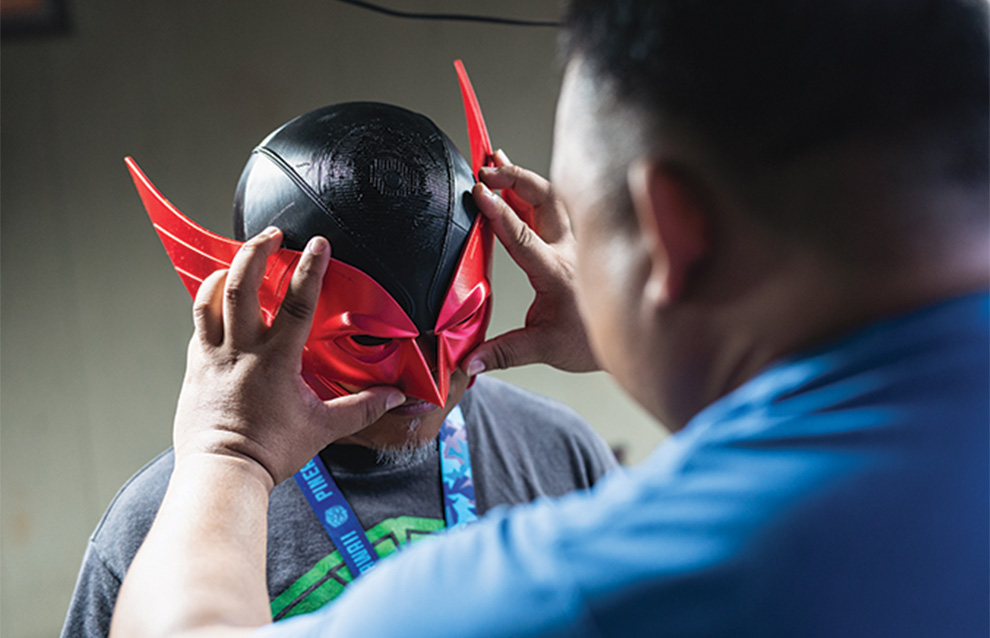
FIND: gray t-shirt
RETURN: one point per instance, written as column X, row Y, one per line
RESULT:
column 522, row 447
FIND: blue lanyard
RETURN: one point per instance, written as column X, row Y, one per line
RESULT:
column 343, row 527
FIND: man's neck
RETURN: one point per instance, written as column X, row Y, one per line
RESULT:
column 807, row 304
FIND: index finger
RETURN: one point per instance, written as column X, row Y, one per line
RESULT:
column 521, row 242
column 295, row 315
column 241, row 308
column 549, row 218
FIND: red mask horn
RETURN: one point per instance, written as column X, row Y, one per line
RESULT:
column 474, row 272
column 481, row 144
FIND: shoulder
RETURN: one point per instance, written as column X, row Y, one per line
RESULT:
column 519, row 413
column 131, row 513
column 526, row 437
column 519, row 409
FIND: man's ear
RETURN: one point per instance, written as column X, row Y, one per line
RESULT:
column 674, row 224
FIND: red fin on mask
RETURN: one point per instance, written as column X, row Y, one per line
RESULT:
column 481, row 144
column 196, row 252
column 481, row 245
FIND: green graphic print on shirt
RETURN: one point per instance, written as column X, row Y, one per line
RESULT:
column 328, row 578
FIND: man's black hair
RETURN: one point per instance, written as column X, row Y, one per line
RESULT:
column 780, row 77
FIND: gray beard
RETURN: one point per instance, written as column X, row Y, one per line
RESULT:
column 412, row 453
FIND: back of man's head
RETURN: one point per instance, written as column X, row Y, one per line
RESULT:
column 822, row 115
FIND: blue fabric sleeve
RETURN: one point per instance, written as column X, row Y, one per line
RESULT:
column 840, row 493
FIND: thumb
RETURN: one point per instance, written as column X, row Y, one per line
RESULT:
column 354, row 412
column 512, row 349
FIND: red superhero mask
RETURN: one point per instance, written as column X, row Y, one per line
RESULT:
column 351, row 303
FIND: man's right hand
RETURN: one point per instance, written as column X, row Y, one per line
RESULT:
column 533, row 226
column 243, row 395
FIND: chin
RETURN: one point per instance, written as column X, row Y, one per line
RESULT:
column 415, row 423
column 393, row 431
column 412, row 452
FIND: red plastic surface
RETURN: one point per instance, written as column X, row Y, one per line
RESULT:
column 481, row 144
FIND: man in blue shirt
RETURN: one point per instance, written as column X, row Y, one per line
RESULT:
column 776, row 239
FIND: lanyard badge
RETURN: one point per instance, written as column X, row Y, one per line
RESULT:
column 344, row 528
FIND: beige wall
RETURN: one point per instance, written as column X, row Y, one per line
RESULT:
column 94, row 322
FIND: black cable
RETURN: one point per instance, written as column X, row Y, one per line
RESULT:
column 460, row 17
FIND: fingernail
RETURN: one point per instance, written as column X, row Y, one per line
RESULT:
column 271, row 231
column 394, row 400
column 486, row 192
column 316, row 245
column 475, row 367
column 500, row 154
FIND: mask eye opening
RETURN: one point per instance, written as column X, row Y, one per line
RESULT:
column 468, row 319
column 370, row 341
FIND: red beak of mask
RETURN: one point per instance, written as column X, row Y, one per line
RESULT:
column 407, row 294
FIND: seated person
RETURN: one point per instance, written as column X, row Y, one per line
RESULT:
column 392, row 194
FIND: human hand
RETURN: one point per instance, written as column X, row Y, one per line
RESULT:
column 243, row 395
column 532, row 225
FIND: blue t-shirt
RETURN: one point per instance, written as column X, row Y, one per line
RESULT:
column 841, row 492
